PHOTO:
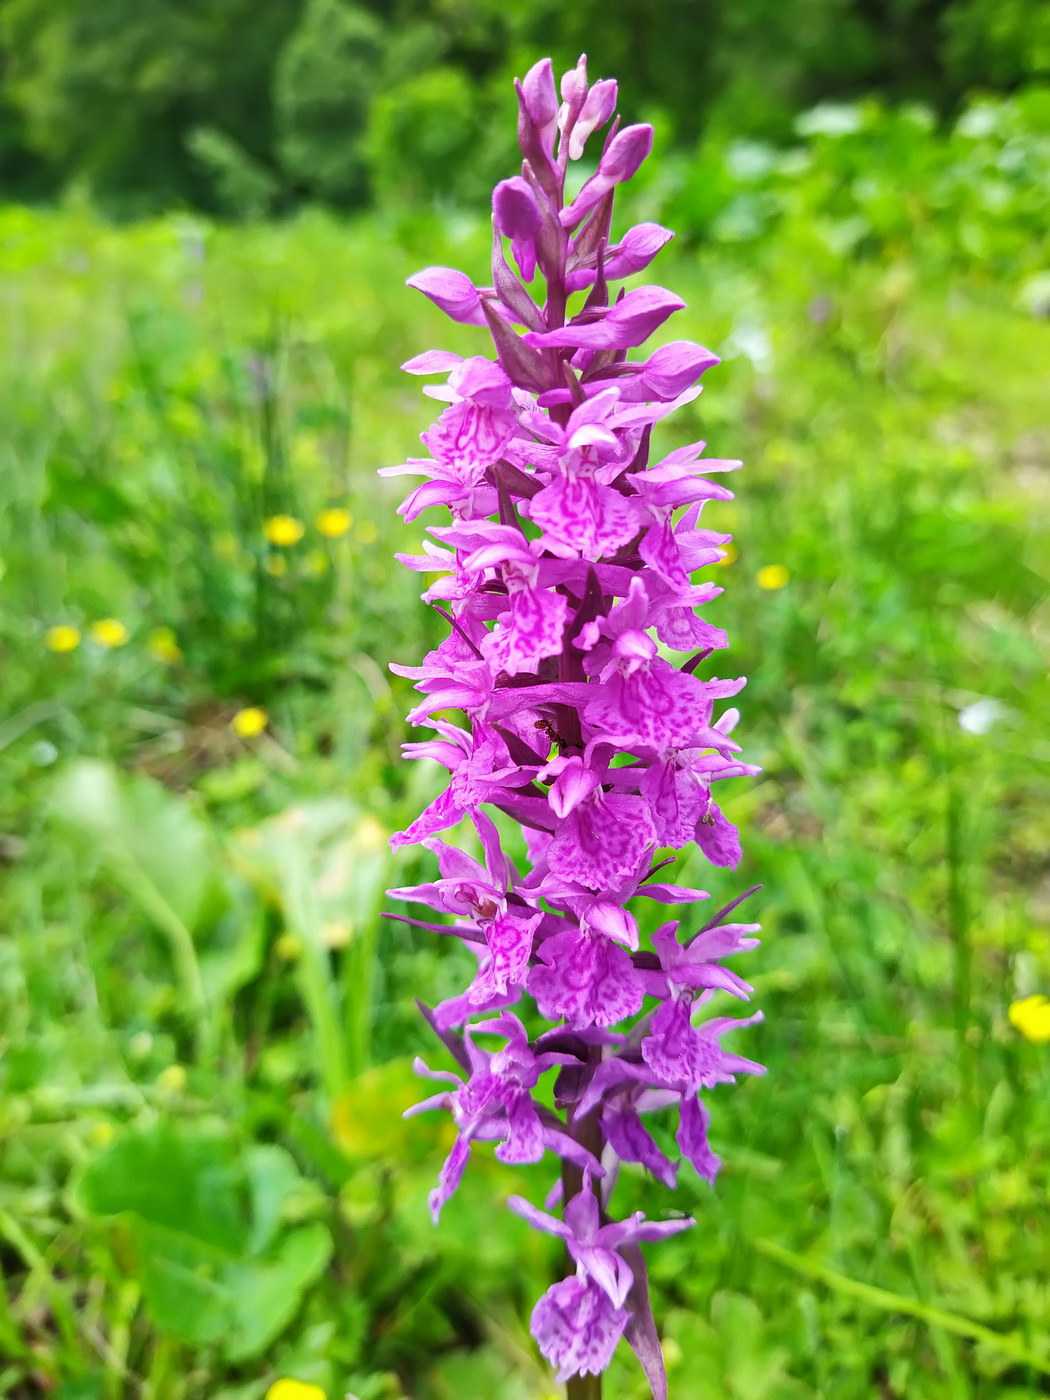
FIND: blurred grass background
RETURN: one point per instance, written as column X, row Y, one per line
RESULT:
column 206, row 1031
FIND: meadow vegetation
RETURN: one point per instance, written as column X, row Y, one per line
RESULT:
column 206, row 1030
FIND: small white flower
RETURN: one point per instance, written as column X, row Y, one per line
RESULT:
column 982, row 715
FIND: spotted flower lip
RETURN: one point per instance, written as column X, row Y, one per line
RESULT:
column 593, row 730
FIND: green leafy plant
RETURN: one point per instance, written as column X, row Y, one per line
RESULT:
column 209, row 1232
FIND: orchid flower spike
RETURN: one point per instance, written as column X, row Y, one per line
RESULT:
column 566, row 563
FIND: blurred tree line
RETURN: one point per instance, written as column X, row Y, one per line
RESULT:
column 248, row 106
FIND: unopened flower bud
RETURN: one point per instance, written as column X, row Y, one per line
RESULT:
column 622, row 157
column 540, row 101
column 574, row 85
column 452, row 291
column 514, row 205
column 633, row 319
column 637, row 249
column 518, row 218
column 626, row 151
column 573, row 784
column 597, row 109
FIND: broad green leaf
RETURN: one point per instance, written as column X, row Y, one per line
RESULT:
column 140, row 830
column 185, row 1283
column 173, row 1176
column 236, row 941
column 211, row 1269
column 267, row 1292
column 80, row 1388
column 272, row 1178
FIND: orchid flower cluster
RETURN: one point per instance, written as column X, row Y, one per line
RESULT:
column 565, row 577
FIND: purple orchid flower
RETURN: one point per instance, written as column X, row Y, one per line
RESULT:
column 578, row 1321
column 575, row 651
column 495, row 1104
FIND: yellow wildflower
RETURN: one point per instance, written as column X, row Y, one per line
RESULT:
column 334, row 521
column 316, row 563
column 287, row 1389
column 172, row 1079
column 249, row 722
column 772, row 576
column 367, row 532
column 162, row 646
column 276, row 565
column 284, row 530
column 1031, row 1017
column 108, row 632
column 62, row 638
column 731, row 554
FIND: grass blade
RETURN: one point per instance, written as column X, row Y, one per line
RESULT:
column 898, row 1303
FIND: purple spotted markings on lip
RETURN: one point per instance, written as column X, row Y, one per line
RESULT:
column 566, row 577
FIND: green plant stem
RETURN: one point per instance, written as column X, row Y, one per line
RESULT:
column 588, row 1132
column 371, row 871
column 313, row 974
column 183, row 949
column 128, row 1295
column 359, row 995
column 39, row 1271
column 315, row 987
column 10, row 1341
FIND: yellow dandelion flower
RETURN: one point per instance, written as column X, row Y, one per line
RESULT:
column 1031, row 1017
column 108, row 632
column 730, row 556
column 276, row 565
column 316, row 563
column 287, row 1389
column 284, row 530
column 772, row 576
column 172, row 1080
column 249, row 722
column 162, row 646
column 62, row 638
column 367, row 532
column 334, row 521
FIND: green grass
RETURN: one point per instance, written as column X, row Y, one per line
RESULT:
column 205, row 1030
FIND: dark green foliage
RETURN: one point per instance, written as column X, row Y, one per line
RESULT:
column 326, row 80
column 110, row 93
column 993, row 43
column 240, row 107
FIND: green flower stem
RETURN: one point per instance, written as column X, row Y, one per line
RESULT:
column 183, row 950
